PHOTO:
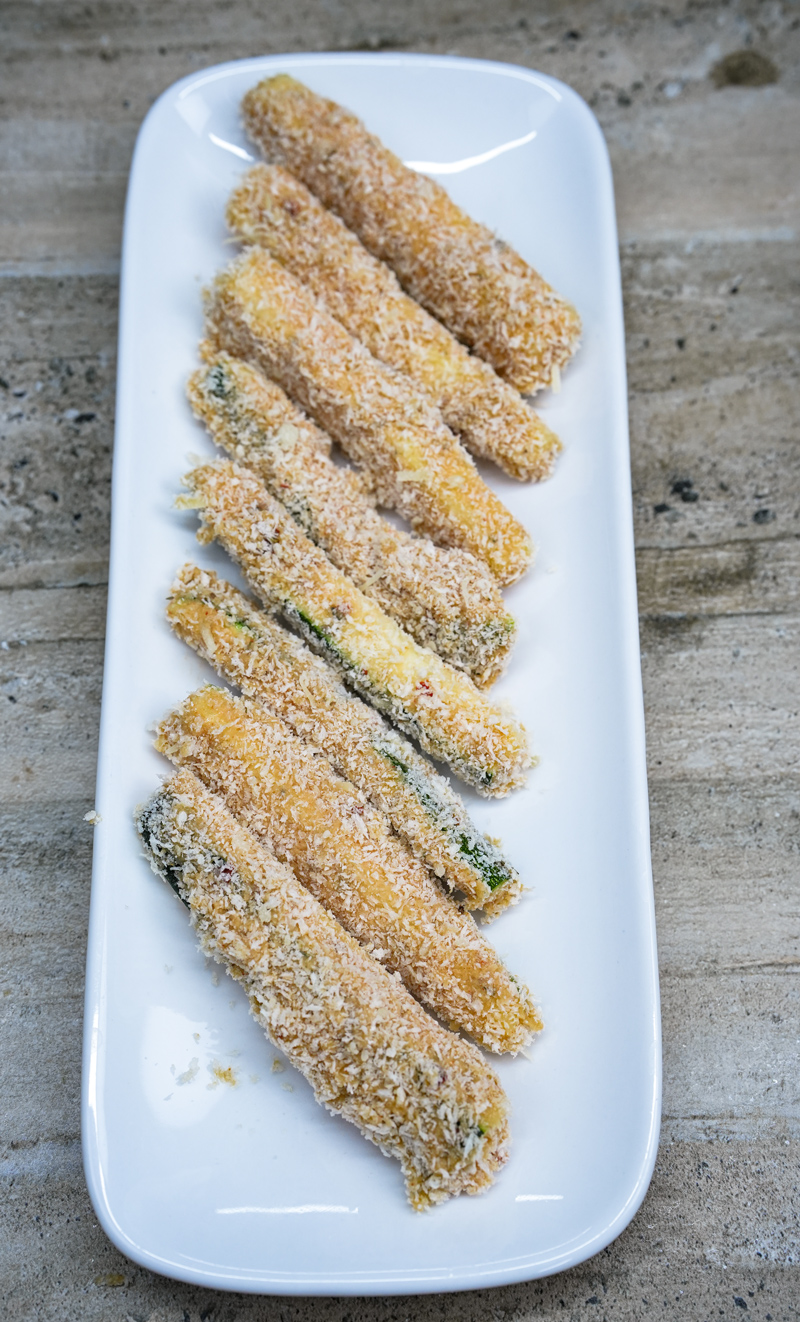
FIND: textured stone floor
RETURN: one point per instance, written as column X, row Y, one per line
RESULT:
column 708, row 191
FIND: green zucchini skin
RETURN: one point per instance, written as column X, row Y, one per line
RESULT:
column 481, row 854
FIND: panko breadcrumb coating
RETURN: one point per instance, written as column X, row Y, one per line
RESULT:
column 476, row 284
column 343, row 851
column 445, row 598
column 258, row 310
column 438, row 706
column 370, row 1053
column 273, row 667
column 273, row 209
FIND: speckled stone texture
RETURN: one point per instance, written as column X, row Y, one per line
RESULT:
column 704, row 149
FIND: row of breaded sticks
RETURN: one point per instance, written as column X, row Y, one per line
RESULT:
column 370, row 1052
column 307, row 837
column 324, row 899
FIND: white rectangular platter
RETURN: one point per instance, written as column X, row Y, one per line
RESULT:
column 253, row 1186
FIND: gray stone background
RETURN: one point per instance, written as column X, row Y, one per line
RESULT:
column 705, row 156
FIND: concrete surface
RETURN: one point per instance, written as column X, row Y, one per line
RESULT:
column 709, row 206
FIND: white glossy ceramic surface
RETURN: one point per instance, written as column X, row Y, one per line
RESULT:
column 254, row 1187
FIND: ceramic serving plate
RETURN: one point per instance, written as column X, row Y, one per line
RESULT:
column 206, row 1156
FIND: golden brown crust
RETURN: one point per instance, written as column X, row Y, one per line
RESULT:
column 274, row 667
column 438, row 706
column 370, row 1053
column 342, row 850
column 273, row 209
column 257, row 310
column 476, row 284
column 445, row 598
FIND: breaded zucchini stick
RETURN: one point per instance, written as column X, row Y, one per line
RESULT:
column 462, row 273
column 343, row 851
column 370, row 1053
column 273, row 209
column 271, row 666
column 446, row 599
column 438, row 706
column 257, row 310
